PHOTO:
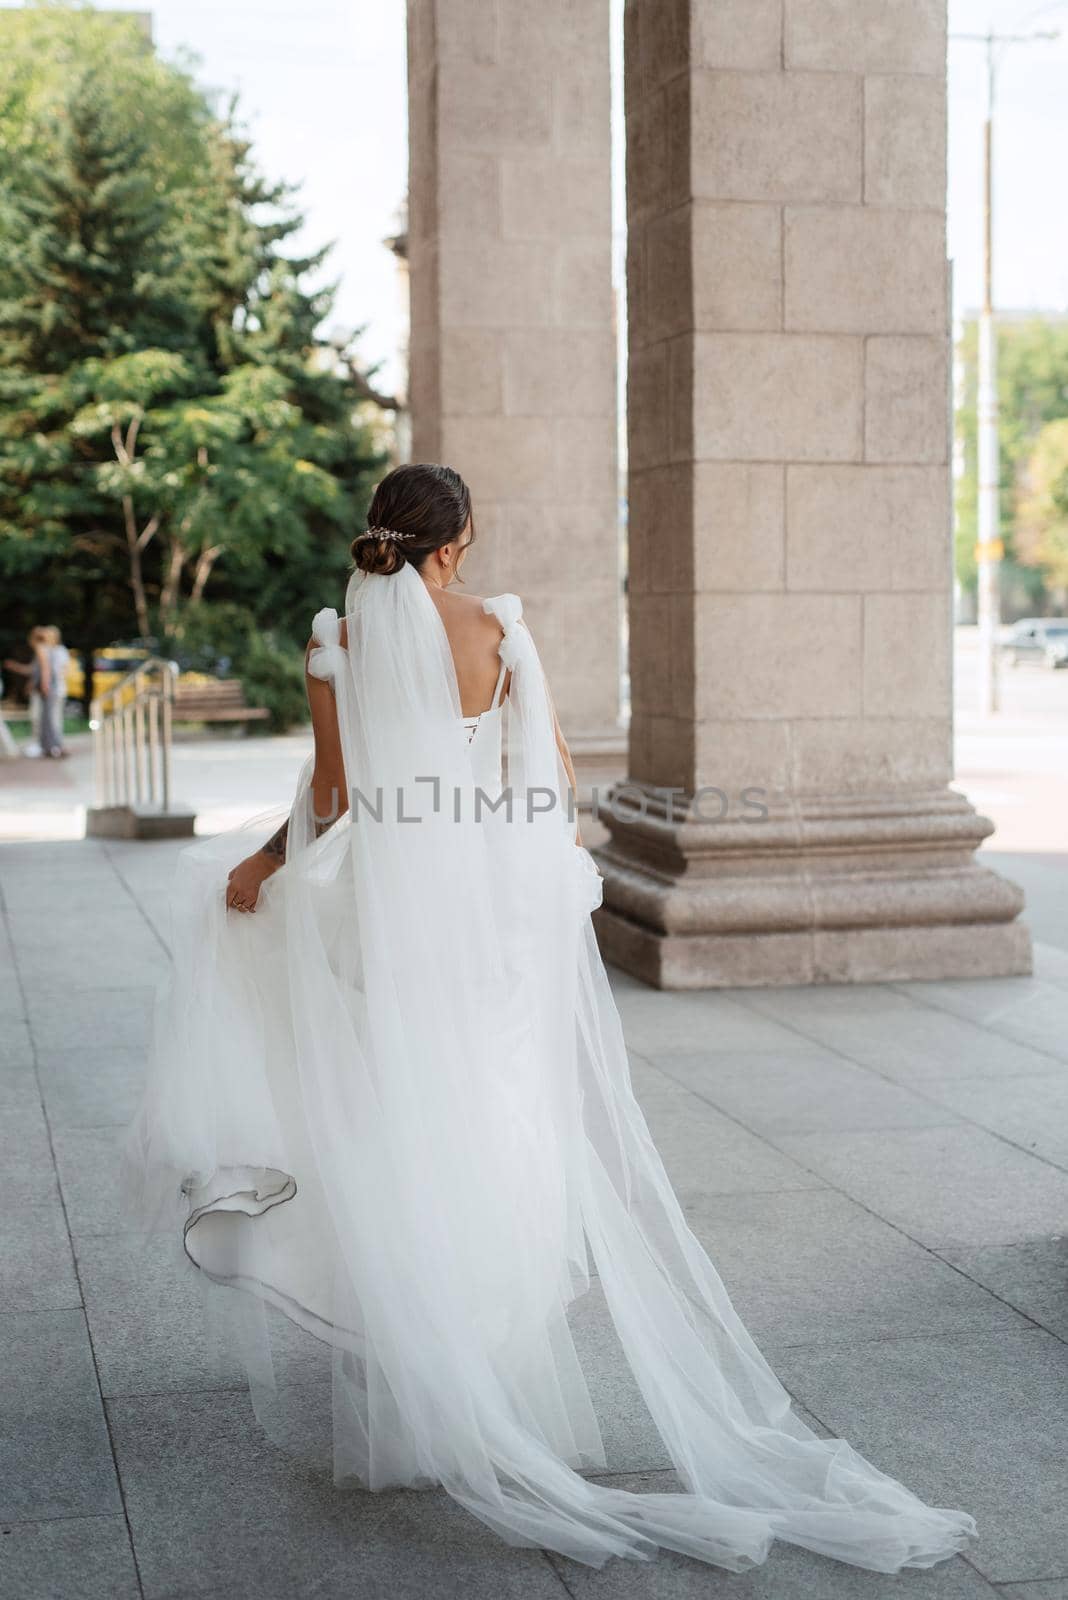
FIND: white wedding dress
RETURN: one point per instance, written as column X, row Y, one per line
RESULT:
column 395, row 1108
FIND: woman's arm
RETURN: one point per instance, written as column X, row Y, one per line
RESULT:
column 329, row 792
column 569, row 768
column 329, row 795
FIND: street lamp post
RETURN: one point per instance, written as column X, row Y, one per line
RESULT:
column 989, row 548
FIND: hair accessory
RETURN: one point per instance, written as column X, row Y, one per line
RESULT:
column 385, row 533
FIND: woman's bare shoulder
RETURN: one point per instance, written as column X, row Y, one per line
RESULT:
column 462, row 601
column 465, row 611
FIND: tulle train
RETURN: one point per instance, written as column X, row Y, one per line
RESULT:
column 397, row 1108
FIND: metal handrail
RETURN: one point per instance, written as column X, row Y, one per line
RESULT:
column 131, row 726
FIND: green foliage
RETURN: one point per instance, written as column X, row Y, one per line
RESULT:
column 222, row 638
column 44, row 46
column 87, row 266
column 211, row 636
column 1043, row 511
column 170, row 426
column 1032, row 391
column 272, row 675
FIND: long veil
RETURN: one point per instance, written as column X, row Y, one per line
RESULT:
column 396, row 1103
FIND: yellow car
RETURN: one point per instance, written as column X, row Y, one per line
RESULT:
column 75, row 676
column 111, row 665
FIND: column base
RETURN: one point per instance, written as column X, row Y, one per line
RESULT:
column 851, row 890
column 136, row 822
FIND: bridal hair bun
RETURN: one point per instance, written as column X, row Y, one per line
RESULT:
column 416, row 509
column 379, row 550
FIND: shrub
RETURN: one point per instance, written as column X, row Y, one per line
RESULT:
column 272, row 675
column 225, row 641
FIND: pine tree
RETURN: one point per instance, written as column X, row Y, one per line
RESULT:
column 254, row 291
column 85, row 253
column 171, row 429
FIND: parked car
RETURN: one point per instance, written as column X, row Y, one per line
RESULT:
column 111, row 665
column 75, row 678
column 1043, row 640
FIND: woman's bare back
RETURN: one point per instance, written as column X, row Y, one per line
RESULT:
column 474, row 637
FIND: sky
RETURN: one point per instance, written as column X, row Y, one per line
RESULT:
column 323, row 91
column 323, row 87
column 1030, row 155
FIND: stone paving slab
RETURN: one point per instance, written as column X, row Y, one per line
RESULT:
column 877, row 1172
column 48, row 973
column 114, row 1017
column 904, row 1038
column 18, row 1080
column 800, row 1092
column 975, row 1421
column 658, row 1023
column 1033, row 1015
column 92, row 1087
column 89, row 1557
column 816, row 1267
column 37, row 1263
column 704, row 1151
column 90, row 1177
column 944, row 1186
column 146, row 1317
column 211, row 1502
column 59, row 1461
column 10, row 991
column 30, row 1188
column 788, row 1573
column 1031, row 1275
column 147, row 1320
column 1031, row 1112
column 631, row 1440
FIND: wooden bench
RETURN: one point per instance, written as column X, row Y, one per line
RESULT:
column 217, row 700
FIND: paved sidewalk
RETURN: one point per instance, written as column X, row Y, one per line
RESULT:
column 881, row 1175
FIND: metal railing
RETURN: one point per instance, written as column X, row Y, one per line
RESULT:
column 131, row 727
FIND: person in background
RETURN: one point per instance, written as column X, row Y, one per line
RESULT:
column 45, row 740
column 25, row 669
column 60, row 664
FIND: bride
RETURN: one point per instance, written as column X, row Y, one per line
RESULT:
column 389, row 1093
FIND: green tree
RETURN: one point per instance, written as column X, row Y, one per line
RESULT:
column 86, row 263
column 200, row 475
column 1042, row 537
column 1032, row 391
column 43, row 45
column 171, row 427
column 88, row 273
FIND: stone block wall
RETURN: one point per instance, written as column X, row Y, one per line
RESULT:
column 788, row 391
column 513, row 377
column 790, row 551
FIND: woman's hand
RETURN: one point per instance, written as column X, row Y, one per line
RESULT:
column 247, row 878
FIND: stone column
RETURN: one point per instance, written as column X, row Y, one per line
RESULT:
column 513, row 378
column 790, row 577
